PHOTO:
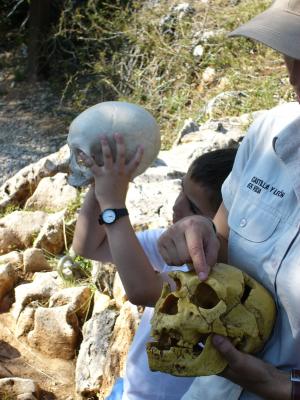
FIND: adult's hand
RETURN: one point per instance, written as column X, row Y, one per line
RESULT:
column 192, row 239
column 252, row 373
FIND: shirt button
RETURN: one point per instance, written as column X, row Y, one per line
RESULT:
column 243, row 222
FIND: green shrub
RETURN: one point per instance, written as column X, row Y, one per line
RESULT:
column 101, row 50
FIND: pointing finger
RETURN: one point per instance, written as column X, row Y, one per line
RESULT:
column 196, row 251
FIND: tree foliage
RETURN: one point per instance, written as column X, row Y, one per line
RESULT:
column 143, row 52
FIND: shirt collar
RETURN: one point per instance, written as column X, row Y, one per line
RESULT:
column 287, row 147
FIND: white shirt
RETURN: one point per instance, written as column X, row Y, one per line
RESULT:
column 262, row 197
column 139, row 382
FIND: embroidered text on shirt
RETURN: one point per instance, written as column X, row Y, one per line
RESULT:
column 257, row 184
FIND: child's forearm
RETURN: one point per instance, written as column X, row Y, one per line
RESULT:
column 142, row 284
column 89, row 236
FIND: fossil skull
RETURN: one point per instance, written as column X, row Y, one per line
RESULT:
column 229, row 303
column 135, row 124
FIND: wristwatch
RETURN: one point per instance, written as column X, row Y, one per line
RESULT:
column 110, row 215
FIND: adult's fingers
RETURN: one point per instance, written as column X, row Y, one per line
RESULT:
column 168, row 250
column 228, row 351
column 183, row 254
column 195, row 248
column 211, row 250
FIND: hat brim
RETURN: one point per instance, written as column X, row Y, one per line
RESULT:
column 276, row 28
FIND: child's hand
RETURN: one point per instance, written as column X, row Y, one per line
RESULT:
column 112, row 179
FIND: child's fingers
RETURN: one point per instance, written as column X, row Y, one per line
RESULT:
column 88, row 162
column 106, row 153
column 136, row 160
column 120, row 145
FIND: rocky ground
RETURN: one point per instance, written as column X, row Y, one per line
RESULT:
column 32, row 125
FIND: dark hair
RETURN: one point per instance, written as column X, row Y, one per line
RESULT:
column 211, row 169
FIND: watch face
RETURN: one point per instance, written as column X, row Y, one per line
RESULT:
column 109, row 216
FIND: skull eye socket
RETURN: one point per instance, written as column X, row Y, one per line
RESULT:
column 205, row 297
column 79, row 159
column 170, row 305
column 178, row 284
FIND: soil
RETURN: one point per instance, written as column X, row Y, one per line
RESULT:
column 17, row 359
column 32, row 125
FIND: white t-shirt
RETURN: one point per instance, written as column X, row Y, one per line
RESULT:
column 262, row 196
column 139, row 382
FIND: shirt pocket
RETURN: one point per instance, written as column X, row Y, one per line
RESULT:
column 252, row 220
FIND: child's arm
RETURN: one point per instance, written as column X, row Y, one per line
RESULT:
column 89, row 237
column 116, row 242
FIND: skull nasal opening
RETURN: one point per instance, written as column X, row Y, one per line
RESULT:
column 205, row 297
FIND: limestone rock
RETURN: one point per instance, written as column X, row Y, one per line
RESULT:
column 51, row 236
column 18, row 229
column 14, row 258
column 44, row 285
column 91, row 359
column 119, row 293
column 103, row 276
column 18, row 386
column 7, row 279
column 17, row 189
column 52, row 194
column 25, row 322
column 209, row 75
column 78, row 299
column 34, row 260
column 102, row 302
column 124, row 330
column 151, row 196
column 56, row 332
column 26, row 396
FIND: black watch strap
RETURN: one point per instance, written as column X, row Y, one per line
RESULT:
column 119, row 212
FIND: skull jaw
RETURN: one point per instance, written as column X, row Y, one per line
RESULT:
column 79, row 176
column 181, row 361
column 78, row 180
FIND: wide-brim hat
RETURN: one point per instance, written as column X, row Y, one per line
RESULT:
column 278, row 27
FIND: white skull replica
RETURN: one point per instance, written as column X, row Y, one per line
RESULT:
column 229, row 303
column 135, row 124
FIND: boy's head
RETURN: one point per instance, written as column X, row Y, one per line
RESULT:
column 201, row 186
